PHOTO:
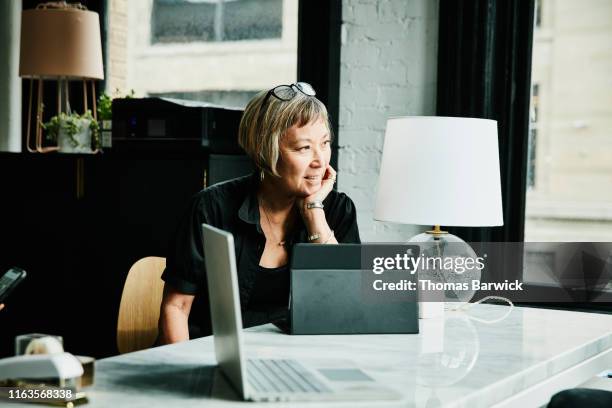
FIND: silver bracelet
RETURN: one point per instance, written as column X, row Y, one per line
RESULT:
column 314, row 236
column 314, row 204
column 331, row 235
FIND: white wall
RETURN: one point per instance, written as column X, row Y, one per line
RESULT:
column 388, row 68
column 10, row 83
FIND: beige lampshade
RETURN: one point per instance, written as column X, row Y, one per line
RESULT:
column 60, row 43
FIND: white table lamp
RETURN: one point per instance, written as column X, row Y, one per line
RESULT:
column 440, row 171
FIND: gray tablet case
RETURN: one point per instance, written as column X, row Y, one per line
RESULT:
column 330, row 294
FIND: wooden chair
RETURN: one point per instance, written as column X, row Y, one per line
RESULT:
column 140, row 303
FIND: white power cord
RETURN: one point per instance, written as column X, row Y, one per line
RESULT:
column 466, row 306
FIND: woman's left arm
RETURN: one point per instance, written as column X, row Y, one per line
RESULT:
column 316, row 224
column 314, row 216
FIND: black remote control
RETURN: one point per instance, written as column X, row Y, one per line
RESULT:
column 9, row 281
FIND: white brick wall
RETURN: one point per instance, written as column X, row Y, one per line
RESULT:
column 117, row 47
column 388, row 68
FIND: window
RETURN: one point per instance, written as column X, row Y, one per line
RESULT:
column 533, row 137
column 569, row 195
column 538, row 13
column 219, row 51
column 216, row 20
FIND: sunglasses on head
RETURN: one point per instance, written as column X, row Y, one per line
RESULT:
column 288, row 92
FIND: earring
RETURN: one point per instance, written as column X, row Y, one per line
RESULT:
column 262, row 174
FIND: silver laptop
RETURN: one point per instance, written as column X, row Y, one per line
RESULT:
column 270, row 379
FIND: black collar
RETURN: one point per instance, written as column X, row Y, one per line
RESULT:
column 249, row 210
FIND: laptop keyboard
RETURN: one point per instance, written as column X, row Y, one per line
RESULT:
column 282, row 376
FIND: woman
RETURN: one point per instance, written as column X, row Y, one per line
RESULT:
column 289, row 199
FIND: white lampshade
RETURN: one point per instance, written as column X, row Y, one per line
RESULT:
column 440, row 171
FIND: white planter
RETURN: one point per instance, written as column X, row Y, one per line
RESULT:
column 80, row 143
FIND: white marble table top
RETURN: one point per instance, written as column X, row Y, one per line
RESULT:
column 459, row 360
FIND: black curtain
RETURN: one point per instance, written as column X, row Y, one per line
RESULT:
column 484, row 71
column 318, row 60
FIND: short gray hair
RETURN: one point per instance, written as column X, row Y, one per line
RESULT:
column 262, row 126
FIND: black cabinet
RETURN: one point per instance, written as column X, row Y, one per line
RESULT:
column 76, row 224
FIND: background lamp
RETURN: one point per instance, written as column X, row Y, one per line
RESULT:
column 61, row 42
column 441, row 171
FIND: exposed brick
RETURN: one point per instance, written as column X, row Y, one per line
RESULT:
column 357, row 92
column 403, row 48
column 394, row 73
column 389, row 11
column 361, row 138
column 360, row 52
column 388, row 65
column 394, row 96
column 117, row 50
column 377, row 31
column 348, row 13
column 366, row 117
column 365, row 13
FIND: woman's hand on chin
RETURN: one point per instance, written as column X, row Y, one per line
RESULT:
column 327, row 185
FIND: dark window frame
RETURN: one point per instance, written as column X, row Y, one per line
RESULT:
column 484, row 71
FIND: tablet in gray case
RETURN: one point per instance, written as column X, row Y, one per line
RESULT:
column 329, row 295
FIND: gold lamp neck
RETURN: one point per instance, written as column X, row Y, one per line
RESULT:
column 437, row 231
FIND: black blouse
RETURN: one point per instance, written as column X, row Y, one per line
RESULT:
column 232, row 206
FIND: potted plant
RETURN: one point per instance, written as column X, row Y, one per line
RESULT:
column 74, row 133
column 105, row 116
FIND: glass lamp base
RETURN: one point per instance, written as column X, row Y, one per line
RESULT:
column 443, row 249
